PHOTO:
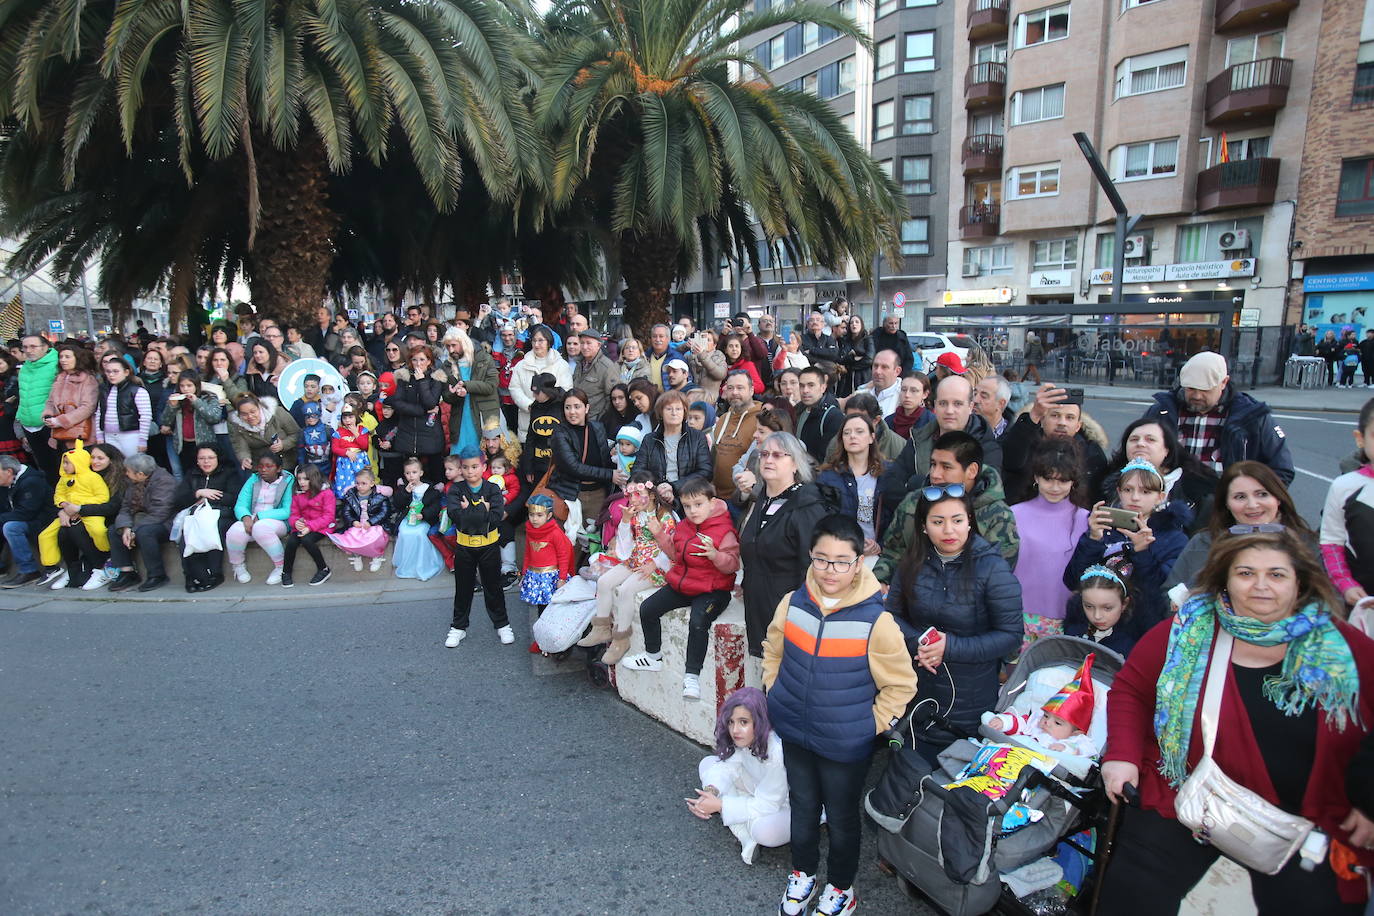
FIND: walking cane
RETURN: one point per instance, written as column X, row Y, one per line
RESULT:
column 1109, row 843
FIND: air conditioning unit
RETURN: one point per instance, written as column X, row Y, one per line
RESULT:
column 1234, row 240
column 1137, row 246
column 972, row 270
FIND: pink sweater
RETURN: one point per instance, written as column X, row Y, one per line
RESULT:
column 316, row 511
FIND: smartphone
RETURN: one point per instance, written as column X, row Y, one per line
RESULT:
column 930, row 637
column 1124, row 519
column 1073, row 396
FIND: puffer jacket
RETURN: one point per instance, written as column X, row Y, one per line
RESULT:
column 693, row 457
column 315, row 509
column 243, row 506
column 1249, row 432
column 36, row 379
column 418, row 432
column 776, row 556
column 226, row 478
column 976, row 602
column 581, row 459
column 696, row 575
column 374, row 507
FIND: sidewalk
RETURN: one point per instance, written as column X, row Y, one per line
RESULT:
column 1338, row 400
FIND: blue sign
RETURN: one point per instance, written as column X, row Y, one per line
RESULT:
column 1334, row 283
column 55, row 325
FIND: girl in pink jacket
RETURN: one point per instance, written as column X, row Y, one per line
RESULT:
column 311, row 520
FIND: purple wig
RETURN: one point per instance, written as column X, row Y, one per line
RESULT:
column 752, row 699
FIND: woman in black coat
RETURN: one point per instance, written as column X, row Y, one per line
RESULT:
column 953, row 580
column 693, row 453
column 217, row 480
column 419, row 428
column 856, row 356
column 775, row 540
column 581, row 459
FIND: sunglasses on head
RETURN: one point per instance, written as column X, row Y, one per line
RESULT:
column 935, row 491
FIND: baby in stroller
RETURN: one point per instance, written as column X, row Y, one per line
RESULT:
column 1062, row 723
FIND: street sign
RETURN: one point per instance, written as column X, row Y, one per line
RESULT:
column 898, row 300
column 722, row 310
column 352, row 314
column 55, row 325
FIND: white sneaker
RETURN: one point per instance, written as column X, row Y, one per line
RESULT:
column 691, row 687
column 241, row 574
column 61, row 581
column 274, row 577
column 356, row 562
column 507, row 635
column 836, row 902
column 641, row 661
column 455, row 636
column 376, row 564
column 98, row 579
column 800, row 889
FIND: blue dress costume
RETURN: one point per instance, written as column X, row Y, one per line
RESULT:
column 414, row 556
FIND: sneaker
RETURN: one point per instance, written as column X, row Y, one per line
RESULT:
column 800, row 889
column 507, row 635
column 691, row 687
column 241, row 574
column 376, row 564
column 274, row 577
column 98, row 579
column 60, row 580
column 286, row 580
column 836, row 902
column 20, row 579
column 455, row 636
column 356, row 563
column 52, row 575
column 642, row 661
column 509, row 578
column 321, row 577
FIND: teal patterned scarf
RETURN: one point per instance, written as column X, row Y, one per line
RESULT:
column 1318, row 667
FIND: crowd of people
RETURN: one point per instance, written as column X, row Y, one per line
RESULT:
column 896, row 536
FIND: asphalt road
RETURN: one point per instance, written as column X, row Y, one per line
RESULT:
column 340, row 760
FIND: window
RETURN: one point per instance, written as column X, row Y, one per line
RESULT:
column 1132, row 4
column 1055, row 254
column 1247, row 148
column 918, row 114
column 885, row 59
column 1356, row 194
column 1249, row 48
column 886, row 166
column 985, row 123
column 1364, row 75
column 848, row 121
column 883, row 113
column 1043, row 104
column 831, row 80
column 991, row 261
column 891, row 6
column 1151, row 159
column 1106, row 250
column 919, row 52
column 1049, row 24
column 916, row 175
column 1033, row 181
column 916, row 236
column 989, row 54
column 1202, row 241
column 1152, row 72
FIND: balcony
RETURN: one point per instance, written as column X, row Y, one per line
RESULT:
column 985, row 84
column 1244, row 183
column 1243, row 14
column 987, row 19
column 1249, row 93
column 979, row 221
column 982, row 154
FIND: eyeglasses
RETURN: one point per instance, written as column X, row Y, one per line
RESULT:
column 776, row 456
column 393, row 349
column 934, row 492
column 1266, row 528
column 821, row 564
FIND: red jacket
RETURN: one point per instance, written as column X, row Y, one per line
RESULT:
column 1131, row 735
column 548, row 545
column 696, row 575
column 317, row 511
column 510, row 487
column 344, row 440
column 745, row 364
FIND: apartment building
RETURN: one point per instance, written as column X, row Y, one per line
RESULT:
column 1333, row 242
column 1198, row 111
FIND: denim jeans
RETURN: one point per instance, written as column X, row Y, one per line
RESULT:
column 19, row 536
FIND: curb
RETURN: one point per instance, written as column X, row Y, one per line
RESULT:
column 226, row 599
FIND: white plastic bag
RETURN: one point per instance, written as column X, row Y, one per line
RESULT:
column 200, row 529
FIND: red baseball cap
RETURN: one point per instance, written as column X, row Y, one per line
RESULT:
column 952, row 362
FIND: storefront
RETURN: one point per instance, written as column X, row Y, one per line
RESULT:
column 1338, row 302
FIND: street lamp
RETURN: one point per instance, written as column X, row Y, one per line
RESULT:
column 1124, row 221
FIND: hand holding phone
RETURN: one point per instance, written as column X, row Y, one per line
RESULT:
column 931, row 636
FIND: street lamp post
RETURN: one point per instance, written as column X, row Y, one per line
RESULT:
column 1124, row 221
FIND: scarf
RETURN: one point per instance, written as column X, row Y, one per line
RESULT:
column 1317, row 667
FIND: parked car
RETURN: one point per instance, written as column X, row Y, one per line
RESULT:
column 931, row 345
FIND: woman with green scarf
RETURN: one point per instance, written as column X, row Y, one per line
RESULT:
column 1292, row 716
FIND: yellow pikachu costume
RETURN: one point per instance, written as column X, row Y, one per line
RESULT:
column 81, row 487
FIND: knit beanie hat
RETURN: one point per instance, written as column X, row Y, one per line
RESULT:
column 630, row 434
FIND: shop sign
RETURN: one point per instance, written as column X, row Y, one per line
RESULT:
column 801, row 295
column 1249, row 318
column 775, row 296
column 1169, row 273
column 827, row 293
column 722, row 310
column 1153, row 273
column 1335, row 283
column 1051, row 279
column 1000, row 295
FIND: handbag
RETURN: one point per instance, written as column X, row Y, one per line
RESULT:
column 1240, row 824
column 200, row 529
column 560, row 508
column 85, row 430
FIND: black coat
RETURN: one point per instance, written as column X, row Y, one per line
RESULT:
column 431, row 504
column 693, row 457
column 775, row 556
column 819, row 426
column 979, row 611
column 28, row 499
column 415, row 433
column 580, row 456
column 898, row 343
column 226, row 478
column 1019, row 443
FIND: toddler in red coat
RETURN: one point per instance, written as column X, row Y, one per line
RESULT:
column 548, row 553
column 704, row 551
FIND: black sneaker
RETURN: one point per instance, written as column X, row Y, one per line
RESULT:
column 286, row 580
column 509, row 578
column 321, row 576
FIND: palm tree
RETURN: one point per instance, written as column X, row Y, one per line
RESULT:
column 648, row 120
column 290, row 90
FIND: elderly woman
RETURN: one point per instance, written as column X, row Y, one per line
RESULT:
column 259, row 426
column 472, row 381
column 419, row 431
column 540, row 358
column 632, row 363
column 214, row 480
column 1291, row 716
column 144, row 521
column 707, row 363
column 775, row 540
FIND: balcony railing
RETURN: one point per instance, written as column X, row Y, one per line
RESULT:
column 1243, row 183
column 1240, row 14
column 985, row 84
column 982, row 153
column 987, row 19
column 979, row 221
column 1248, row 91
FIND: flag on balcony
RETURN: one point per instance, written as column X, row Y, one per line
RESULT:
column 12, row 318
column 1225, row 153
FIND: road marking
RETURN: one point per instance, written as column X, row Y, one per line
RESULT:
column 1311, row 474
column 1289, row 416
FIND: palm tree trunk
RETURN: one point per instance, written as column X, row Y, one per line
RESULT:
column 648, row 262
column 294, row 250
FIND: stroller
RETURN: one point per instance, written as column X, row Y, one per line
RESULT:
column 952, row 847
